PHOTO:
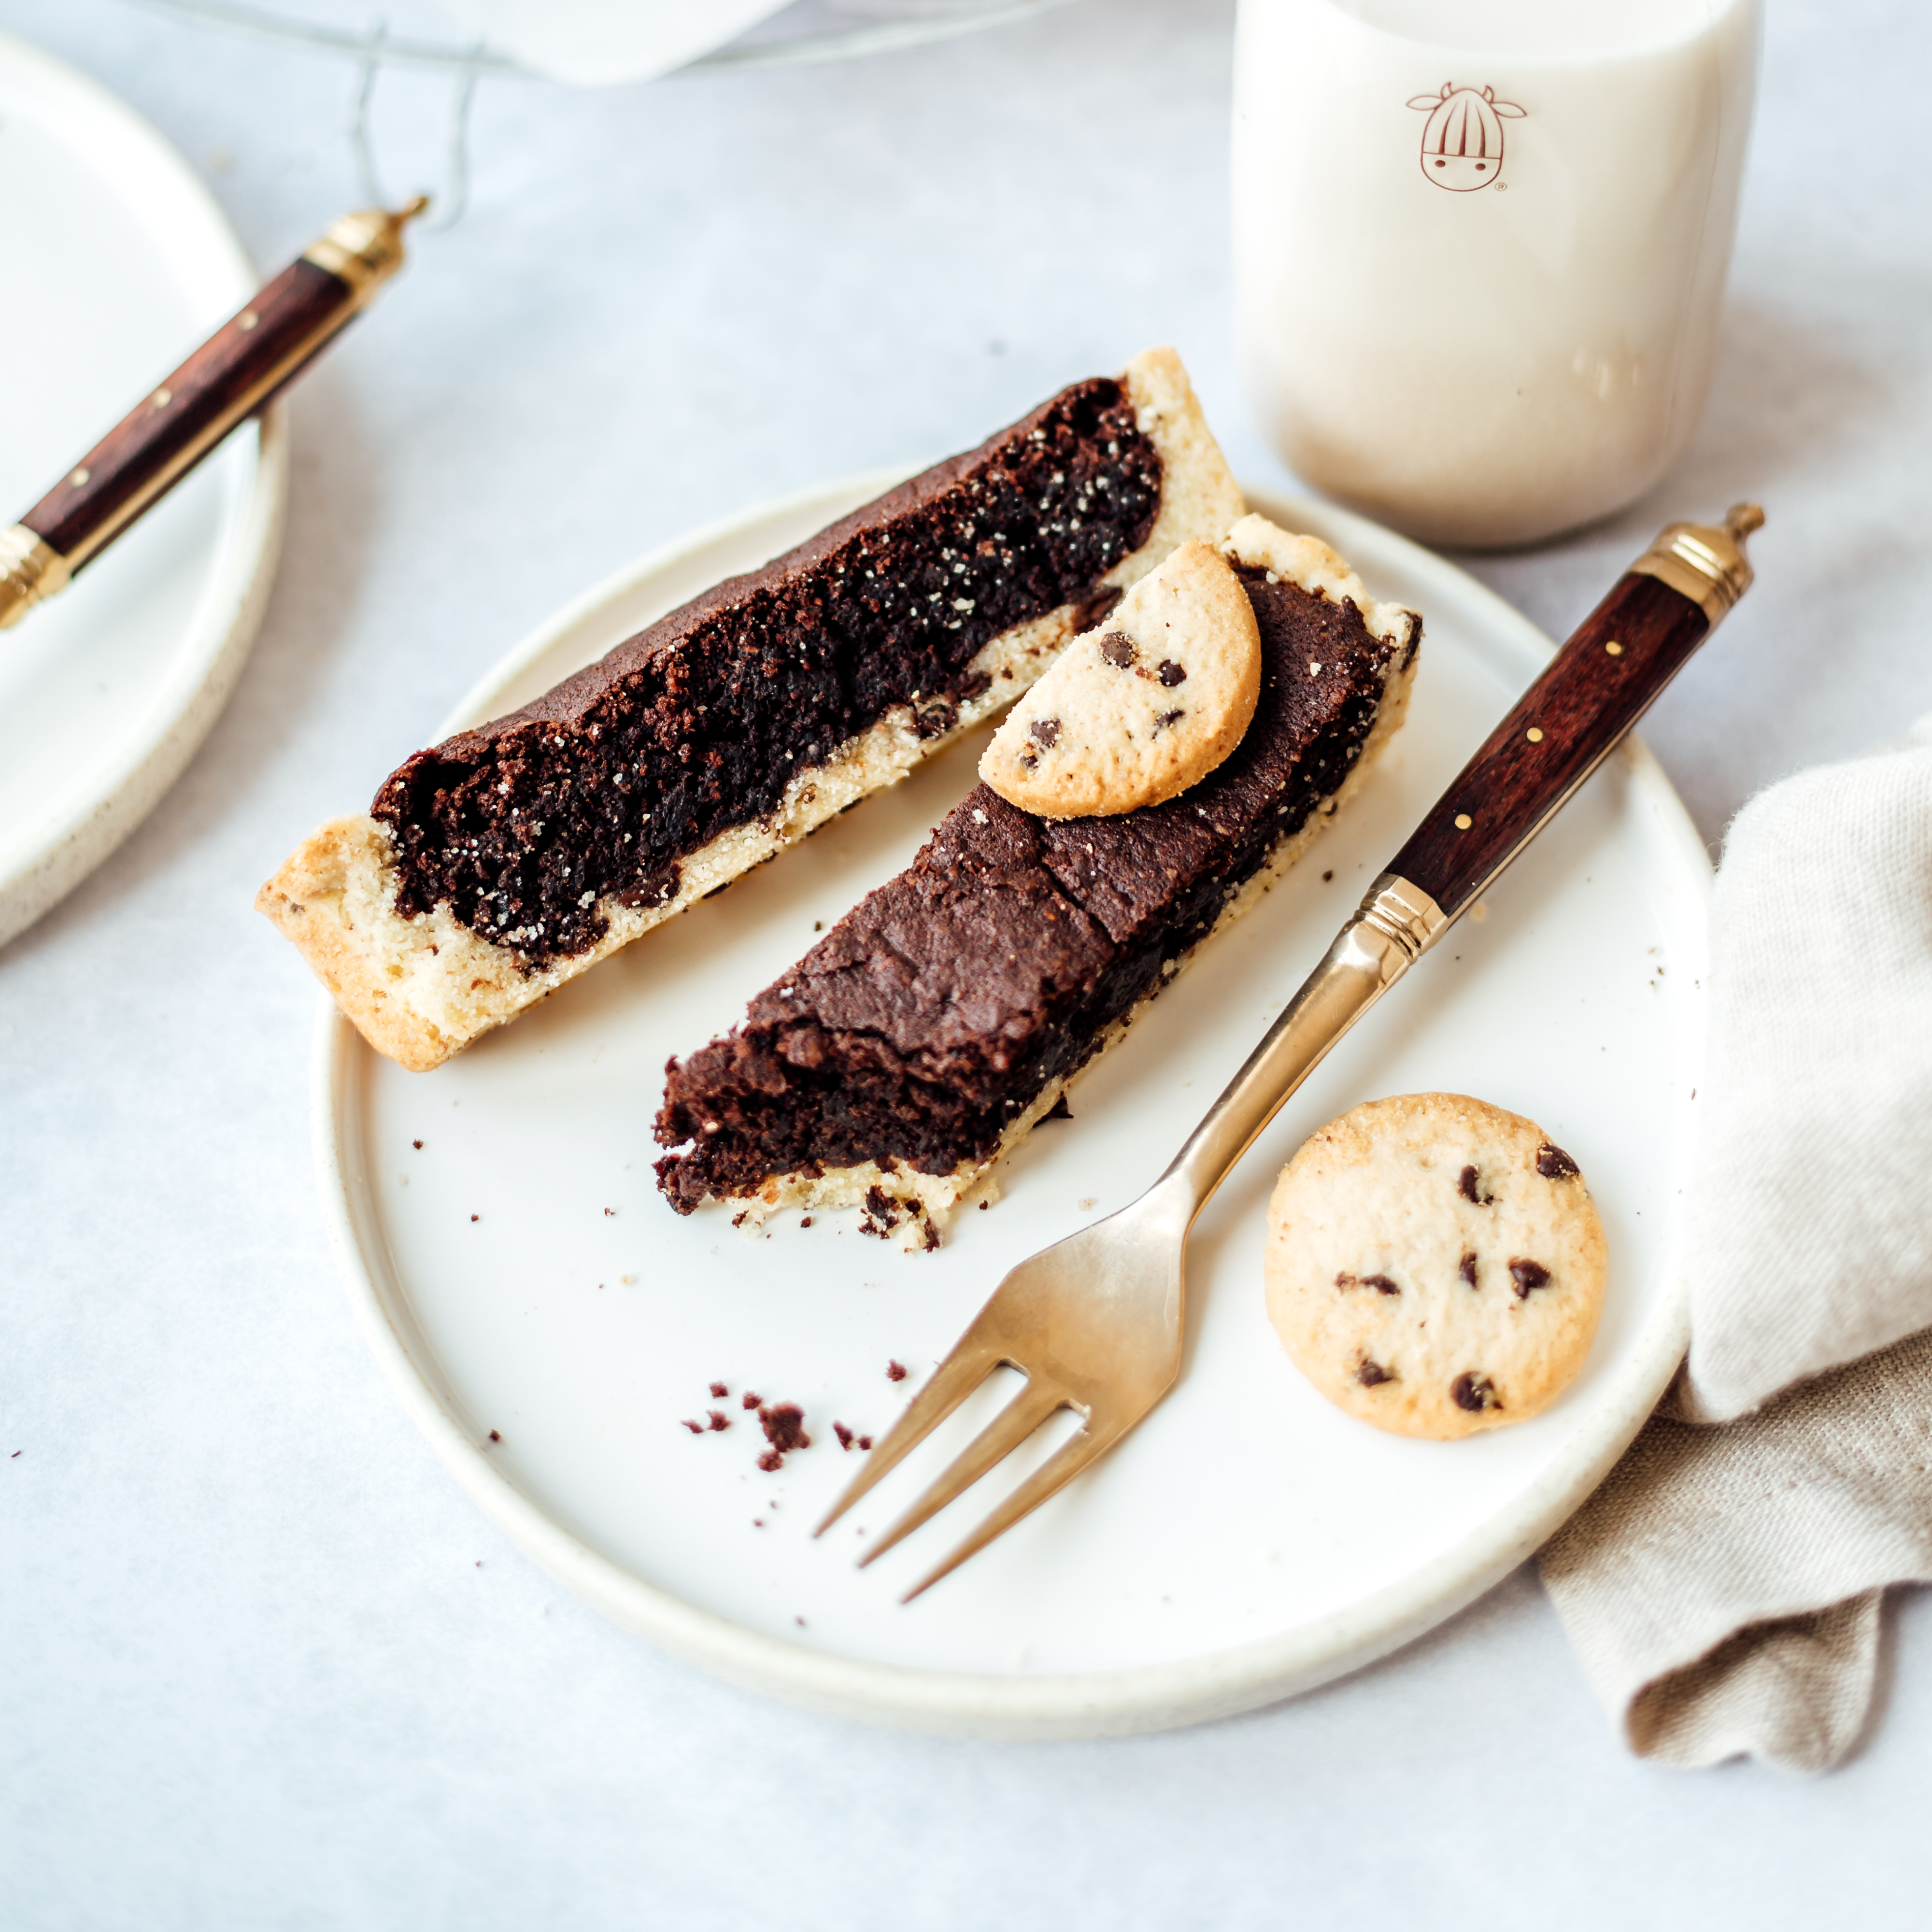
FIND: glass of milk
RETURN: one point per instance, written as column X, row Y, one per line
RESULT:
column 1479, row 247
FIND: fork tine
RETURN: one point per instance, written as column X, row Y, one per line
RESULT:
column 998, row 1439
column 974, row 1358
column 1052, row 1476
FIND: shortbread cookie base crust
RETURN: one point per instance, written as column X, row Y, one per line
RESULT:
column 419, row 989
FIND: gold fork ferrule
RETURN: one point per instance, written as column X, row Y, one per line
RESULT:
column 1401, row 910
column 31, row 571
column 365, row 249
column 1705, row 562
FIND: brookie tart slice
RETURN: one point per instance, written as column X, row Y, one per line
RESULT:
column 495, row 866
column 930, row 1028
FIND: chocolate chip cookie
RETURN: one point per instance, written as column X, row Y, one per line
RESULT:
column 1435, row 1265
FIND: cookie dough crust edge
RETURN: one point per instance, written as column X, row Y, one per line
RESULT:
column 930, row 1201
column 420, row 989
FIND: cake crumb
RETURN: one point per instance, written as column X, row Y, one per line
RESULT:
column 719, row 1419
column 752, row 1401
column 783, row 1425
column 895, row 1372
column 719, row 1391
column 845, row 1436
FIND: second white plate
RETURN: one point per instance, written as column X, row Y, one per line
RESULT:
column 118, row 262
column 550, row 1323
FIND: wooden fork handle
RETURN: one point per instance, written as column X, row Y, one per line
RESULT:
column 233, row 375
column 1567, row 722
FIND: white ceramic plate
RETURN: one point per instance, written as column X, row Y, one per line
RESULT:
column 518, row 1273
column 117, row 263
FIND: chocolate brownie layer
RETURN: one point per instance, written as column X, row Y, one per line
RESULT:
column 510, row 858
column 696, row 724
column 941, row 1010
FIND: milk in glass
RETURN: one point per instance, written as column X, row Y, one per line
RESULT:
column 1480, row 246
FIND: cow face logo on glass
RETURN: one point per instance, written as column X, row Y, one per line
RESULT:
column 1462, row 143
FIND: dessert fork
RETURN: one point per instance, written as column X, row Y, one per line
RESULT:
column 1095, row 1322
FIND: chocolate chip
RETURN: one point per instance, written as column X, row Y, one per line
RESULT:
column 1527, row 1275
column 1163, row 719
column 1046, row 731
column 1553, row 1164
column 977, row 685
column 1466, row 1267
column 1117, row 648
column 1380, row 1284
column 1345, row 1281
column 1371, row 1374
column 1171, row 674
column 1474, row 1392
column 1468, row 1184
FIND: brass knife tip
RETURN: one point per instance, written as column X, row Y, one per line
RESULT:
column 418, row 204
column 1740, row 519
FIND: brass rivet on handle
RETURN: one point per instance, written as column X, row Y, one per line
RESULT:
column 1616, row 649
column 78, row 478
column 162, row 397
column 247, row 320
column 1463, row 821
column 1534, row 734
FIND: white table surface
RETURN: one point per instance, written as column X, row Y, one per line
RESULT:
column 260, row 1662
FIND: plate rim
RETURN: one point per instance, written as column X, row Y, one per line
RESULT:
column 1144, row 1698
column 235, row 591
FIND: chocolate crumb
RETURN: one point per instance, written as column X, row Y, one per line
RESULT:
column 718, row 1389
column 1117, row 648
column 844, row 1435
column 1059, row 1111
column 1044, row 731
column 739, row 1219
column 494, row 1437
column 930, row 1240
column 1553, row 1164
column 783, row 1425
column 1163, row 719
column 1345, row 1280
column 1380, row 1284
column 610, row 1210
column 1371, row 1374
column 417, row 1145
column 752, row 1401
column 1466, row 1267
column 1171, row 674
column 719, row 1419
column 1326, row 877
column 696, row 1428
column 864, row 1442
column 1527, row 1275
column 894, row 1372
column 984, row 1205
column 476, row 1217
column 804, row 1221
column 1474, row 1392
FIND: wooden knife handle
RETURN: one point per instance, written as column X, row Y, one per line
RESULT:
column 1568, row 722
column 232, row 375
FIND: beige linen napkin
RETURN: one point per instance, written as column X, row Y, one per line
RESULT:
column 1722, row 1588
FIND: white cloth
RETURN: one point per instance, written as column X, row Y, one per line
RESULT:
column 1722, row 1588
column 600, row 42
